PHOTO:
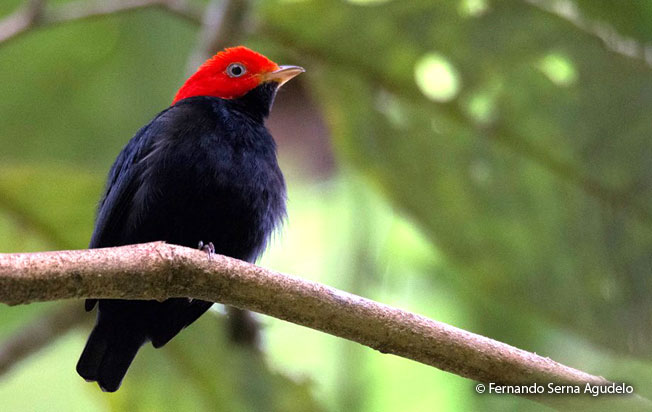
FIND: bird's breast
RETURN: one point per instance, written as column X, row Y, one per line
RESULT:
column 230, row 194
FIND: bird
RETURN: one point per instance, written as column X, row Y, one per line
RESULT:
column 203, row 172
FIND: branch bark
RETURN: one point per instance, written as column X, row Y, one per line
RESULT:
column 159, row 271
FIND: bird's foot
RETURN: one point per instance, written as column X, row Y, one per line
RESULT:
column 209, row 248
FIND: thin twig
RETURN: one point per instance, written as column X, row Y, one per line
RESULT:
column 612, row 40
column 36, row 15
column 84, row 10
column 21, row 21
column 159, row 271
column 39, row 334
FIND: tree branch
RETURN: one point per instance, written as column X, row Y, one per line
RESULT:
column 29, row 221
column 39, row 334
column 35, row 14
column 221, row 26
column 159, row 271
column 610, row 37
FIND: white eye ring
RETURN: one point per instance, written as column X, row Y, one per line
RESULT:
column 236, row 70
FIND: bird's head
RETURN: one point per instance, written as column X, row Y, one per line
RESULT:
column 234, row 72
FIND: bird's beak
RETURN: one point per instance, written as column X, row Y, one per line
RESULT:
column 283, row 74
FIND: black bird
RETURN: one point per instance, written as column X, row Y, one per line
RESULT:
column 204, row 170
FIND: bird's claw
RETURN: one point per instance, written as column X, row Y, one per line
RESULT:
column 209, row 248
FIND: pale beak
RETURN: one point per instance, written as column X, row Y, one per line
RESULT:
column 283, row 74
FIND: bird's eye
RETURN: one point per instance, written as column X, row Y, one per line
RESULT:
column 236, row 70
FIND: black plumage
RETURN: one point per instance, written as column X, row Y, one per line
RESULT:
column 204, row 169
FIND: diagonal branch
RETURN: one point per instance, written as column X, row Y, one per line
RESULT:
column 32, row 223
column 35, row 14
column 39, row 333
column 610, row 37
column 22, row 20
column 158, row 271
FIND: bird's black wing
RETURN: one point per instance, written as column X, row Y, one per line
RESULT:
column 122, row 183
column 124, row 179
column 124, row 325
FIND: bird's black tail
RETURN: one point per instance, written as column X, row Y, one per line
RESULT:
column 243, row 327
column 109, row 351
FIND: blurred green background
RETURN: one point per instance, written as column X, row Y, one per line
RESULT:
column 485, row 163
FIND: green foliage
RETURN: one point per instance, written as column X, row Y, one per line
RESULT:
column 202, row 370
column 52, row 206
column 540, row 199
column 495, row 173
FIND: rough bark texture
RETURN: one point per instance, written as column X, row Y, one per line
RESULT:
column 158, row 271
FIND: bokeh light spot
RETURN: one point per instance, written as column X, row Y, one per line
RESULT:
column 482, row 108
column 559, row 69
column 436, row 77
column 473, row 8
column 367, row 2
